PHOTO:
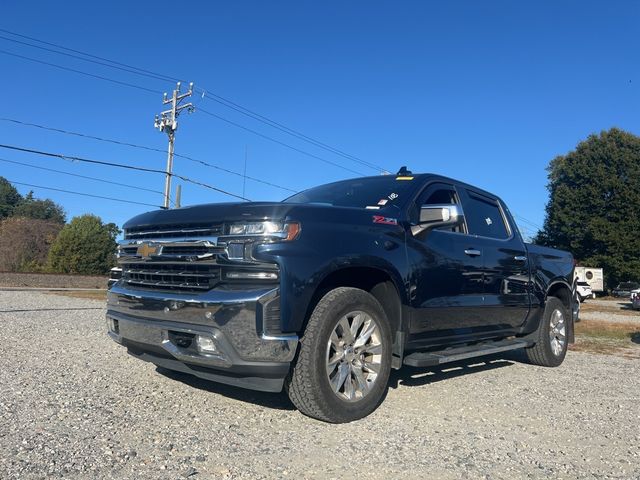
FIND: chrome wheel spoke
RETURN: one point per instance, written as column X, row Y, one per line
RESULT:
column 356, row 323
column 332, row 362
column 372, row 349
column 363, row 385
column 368, row 329
column 341, row 375
column 347, row 336
column 334, row 340
column 373, row 367
column 349, row 391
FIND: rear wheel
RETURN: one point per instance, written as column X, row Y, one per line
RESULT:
column 342, row 369
column 552, row 335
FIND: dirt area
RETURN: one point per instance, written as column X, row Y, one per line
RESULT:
column 608, row 326
column 99, row 295
column 51, row 280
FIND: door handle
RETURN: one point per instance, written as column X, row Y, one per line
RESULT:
column 520, row 258
column 472, row 252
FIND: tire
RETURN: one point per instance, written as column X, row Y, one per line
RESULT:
column 546, row 352
column 581, row 298
column 314, row 384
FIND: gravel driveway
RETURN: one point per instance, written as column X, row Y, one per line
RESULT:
column 610, row 310
column 73, row 404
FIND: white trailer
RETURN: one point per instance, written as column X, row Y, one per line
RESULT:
column 593, row 276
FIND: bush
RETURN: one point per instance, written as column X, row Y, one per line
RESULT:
column 25, row 243
column 85, row 245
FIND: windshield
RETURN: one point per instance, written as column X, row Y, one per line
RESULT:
column 371, row 192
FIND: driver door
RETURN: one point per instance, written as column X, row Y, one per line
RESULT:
column 447, row 285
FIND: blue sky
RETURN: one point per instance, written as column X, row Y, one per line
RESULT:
column 486, row 92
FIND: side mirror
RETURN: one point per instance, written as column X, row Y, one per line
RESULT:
column 445, row 215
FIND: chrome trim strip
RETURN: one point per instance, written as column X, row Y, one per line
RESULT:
column 171, row 232
column 172, row 242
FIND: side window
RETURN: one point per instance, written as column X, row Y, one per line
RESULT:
column 484, row 217
column 439, row 194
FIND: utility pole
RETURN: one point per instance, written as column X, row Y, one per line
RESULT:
column 167, row 122
column 178, row 196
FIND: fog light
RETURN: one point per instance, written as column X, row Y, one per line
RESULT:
column 113, row 325
column 206, row 344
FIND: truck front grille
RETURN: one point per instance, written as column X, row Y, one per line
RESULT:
column 185, row 277
column 187, row 258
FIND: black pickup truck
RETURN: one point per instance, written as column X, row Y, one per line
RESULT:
column 324, row 293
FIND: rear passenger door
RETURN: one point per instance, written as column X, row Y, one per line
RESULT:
column 505, row 262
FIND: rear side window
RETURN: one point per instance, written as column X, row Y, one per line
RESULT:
column 484, row 217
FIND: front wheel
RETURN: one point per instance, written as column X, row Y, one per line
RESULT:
column 552, row 335
column 342, row 369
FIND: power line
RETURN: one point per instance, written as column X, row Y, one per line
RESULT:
column 529, row 222
column 83, row 194
column 124, row 69
column 135, row 187
column 200, row 109
column 206, row 93
column 287, row 130
column 120, row 165
column 143, row 147
column 155, row 74
column 107, row 79
column 101, row 77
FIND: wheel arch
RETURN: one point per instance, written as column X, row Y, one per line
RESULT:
column 561, row 290
column 376, row 281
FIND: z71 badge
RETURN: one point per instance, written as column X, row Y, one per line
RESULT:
column 385, row 220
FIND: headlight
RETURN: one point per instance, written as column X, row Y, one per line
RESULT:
column 284, row 231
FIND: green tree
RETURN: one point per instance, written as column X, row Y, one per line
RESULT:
column 46, row 209
column 9, row 198
column 593, row 204
column 85, row 245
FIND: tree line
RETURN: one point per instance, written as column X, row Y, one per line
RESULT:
column 35, row 237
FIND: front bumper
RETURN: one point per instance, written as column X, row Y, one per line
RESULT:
column 163, row 328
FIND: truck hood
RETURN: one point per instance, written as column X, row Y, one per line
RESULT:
column 213, row 213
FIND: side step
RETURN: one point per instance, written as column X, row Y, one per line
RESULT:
column 428, row 359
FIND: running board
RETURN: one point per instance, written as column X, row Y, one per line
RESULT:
column 428, row 359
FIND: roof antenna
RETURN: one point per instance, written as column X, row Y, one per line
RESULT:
column 403, row 171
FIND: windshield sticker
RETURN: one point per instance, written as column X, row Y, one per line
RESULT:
column 393, row 196
column 383, row 201
column 372, row 207
column 404, row 178
column 385, row 220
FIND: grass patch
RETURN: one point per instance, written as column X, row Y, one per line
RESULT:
column 97, row 295
column 609, row 330
column 608, row 338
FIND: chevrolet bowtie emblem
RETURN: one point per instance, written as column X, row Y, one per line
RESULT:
column 146, row 250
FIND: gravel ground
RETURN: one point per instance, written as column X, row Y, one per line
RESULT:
column 73, row 404
column 615, row 310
